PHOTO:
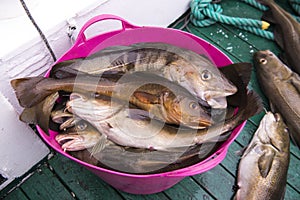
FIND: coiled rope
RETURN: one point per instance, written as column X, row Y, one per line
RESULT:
column 207, row 12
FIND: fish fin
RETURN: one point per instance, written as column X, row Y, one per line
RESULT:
column 28, row 116
column 238, row 71
column 252, row 106
column 40, row 113
column 101, row 144
column 145, row 97
column 265, row 162
column 26, row 91
column 239, row 74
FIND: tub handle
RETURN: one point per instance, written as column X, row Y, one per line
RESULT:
column 81, row 36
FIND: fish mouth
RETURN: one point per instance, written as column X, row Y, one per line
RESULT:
column 217, row 103
column 71, row 142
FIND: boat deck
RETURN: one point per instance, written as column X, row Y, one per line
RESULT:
column 61, row 178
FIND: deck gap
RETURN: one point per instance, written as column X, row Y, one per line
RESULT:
column 119, row 193
column 22, row 190
column 61, row 180
column 207, row 191
column 293, row 187
column 168, row 197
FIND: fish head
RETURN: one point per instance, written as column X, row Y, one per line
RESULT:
column 92, row 108
column 210, row 85
column 274, row 131
column 268, row 64
column 79, row 137
column 60, row 116
column 186, row 110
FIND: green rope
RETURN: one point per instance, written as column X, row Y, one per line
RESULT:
column 256, row 4
column 295, row 5
column 205, row 13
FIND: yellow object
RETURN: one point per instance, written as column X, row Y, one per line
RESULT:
column 265, row 25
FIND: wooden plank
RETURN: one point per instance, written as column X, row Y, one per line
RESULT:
column 188, row 189
column 83, row 183
column 217, row 182
column 156, row 196
column 43, row 184
column 17, row 194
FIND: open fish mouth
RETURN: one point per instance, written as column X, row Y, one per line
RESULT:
column 218, row 103
column 70, row 142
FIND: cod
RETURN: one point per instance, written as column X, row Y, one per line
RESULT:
column 262, row 172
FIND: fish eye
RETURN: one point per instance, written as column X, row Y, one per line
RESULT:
column 263, row 61
column 206, row 75
column 81, row 126
column 194, row 105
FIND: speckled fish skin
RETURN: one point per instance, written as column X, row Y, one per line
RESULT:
column 262, row 172
column 282, row 87
column 286, row 33
column 140, row 132
column 193, row 71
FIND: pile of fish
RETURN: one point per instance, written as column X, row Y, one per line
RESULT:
column 145, row 108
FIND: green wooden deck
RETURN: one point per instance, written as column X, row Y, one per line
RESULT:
column 61, row 178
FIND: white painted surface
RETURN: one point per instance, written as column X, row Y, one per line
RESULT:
column 19, row 147
column 23, row 53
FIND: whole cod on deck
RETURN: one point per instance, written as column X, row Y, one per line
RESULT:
column 192, row 71
column 282, row 87
column 286, row 33
column 262, row 172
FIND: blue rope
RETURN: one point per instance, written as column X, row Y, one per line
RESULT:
column 205, row 13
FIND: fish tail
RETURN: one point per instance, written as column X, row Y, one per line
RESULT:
column 253, row 106
column 40, row 113
column 26, row 91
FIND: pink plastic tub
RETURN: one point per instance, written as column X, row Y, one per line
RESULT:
column 130, row 34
